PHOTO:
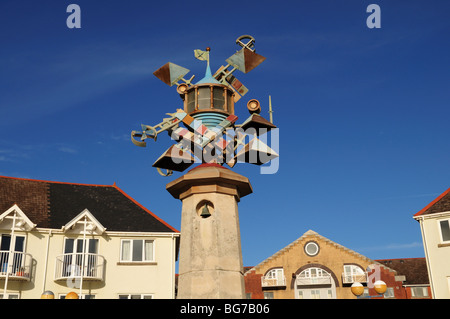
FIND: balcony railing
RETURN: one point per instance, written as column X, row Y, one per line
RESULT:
column 317, row 280
column 351, row 278
column 273, row 282
column 15, row 265
column 78, row 265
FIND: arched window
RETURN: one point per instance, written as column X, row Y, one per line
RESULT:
column 274, row 277
column 313, row 276
column 315, row 283
column 353, row 273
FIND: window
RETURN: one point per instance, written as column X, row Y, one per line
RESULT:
column 313, row 276
column 445, row 230
column 16, row 244
column 330, row 294
column 204, row 97
column 353, row 273
column 274, row 277
column 311, row 248
column 10, row 296
column 76, row 246
column 136, row 250
column 389, row 293
column 73, row 257
column 315, row 294
column 63, row 296
column 268, row 295
column 365, row 293
column 11, row 253
column 419, row 292
column 135, row 296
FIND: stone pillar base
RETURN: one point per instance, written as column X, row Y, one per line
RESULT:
column 210, row 263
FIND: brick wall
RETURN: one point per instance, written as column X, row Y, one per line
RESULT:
column 253, row 285
column 388, row 277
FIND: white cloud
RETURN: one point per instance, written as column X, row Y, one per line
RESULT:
column 69, row 150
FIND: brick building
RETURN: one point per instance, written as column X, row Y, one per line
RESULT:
column 415, row 276
column 314, row 267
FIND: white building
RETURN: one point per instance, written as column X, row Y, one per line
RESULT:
column 93, row 240
column 434, row 222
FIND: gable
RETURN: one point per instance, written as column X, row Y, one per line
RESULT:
column 84, row 223
column 15, row 218
column 438, row 205
column 298, row 246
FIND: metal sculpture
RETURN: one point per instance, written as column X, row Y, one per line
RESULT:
column 205, row 130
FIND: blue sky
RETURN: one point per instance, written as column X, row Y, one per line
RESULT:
column 362, row 113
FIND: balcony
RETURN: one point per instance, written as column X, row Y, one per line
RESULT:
column 352, row 278
column 267, row 282
column 15, row 265
column 78, row 265
column 316, row 280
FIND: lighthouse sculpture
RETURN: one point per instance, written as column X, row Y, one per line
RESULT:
column 205, row 131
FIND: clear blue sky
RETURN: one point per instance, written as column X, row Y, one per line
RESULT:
column 363, row 113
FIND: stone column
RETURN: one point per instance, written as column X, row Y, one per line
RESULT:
column 210, row 262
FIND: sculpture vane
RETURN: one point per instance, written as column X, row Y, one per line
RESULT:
column 206, row 129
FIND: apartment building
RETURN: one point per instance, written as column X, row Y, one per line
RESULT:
column 434, row 221
column 93, row 240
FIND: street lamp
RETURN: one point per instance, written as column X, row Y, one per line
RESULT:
column 379, row 285
column 357, row 289
column 48, row 295
column 72, row 295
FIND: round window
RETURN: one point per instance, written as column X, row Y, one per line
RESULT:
column 311, row 248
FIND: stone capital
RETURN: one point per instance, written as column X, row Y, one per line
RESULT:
column 210, row 178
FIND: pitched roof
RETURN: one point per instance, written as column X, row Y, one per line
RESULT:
column 414, row 269
column 53, row 204
column 438, row 205
column 313, row 233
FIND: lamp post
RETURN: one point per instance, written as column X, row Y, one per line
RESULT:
column 72, row 295
column 48, row 295
column 358, row 289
